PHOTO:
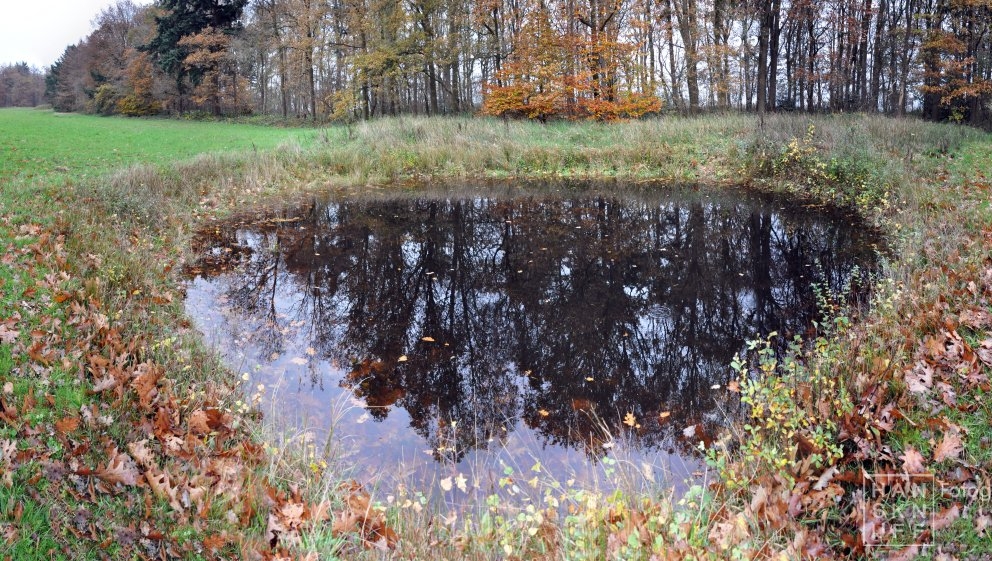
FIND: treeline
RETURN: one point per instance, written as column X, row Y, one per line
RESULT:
column 21, row 86
column 604, row 59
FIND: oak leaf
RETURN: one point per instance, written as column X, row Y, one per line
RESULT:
column 920, row 378
column 946, row 517
column 949, row 448
column 8, row 335
column 119, row 469
column 161, row 485
column 145, row 384
column 142, row 454
column 67, row 425
column 912, row 461
column 984, row 352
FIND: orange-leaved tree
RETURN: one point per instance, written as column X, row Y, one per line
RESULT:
column 568, row 64
column 533, row 81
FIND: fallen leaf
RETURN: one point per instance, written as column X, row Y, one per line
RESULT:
column 949, row 448
column 664, row 415
column 446, row 483
column 197, row 423
column 428, row 339
column 145, row 384
column 402, row 359
column 825, row 478
column 920, row 378
column 8, row 335
column 299, row 361
column 946, row 517
column 984, row 352
column 119, row 469
column 142, row 454
column 912, row 461
column 461, row 482
column 543, row 412
column 214, row 543
column 982, row 523
column 67, row 425
column 975, row 319
column 629, row 420
column 734, row 386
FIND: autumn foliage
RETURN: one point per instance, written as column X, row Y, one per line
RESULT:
column 553, row 72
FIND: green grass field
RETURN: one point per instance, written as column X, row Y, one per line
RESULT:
column 96, row 215
column 42, row 144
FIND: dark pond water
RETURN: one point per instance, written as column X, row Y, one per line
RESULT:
column 461, row 333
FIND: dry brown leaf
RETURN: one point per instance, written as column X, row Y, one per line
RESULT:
column 197, row 423
column 119, row 469
column 949, row 448
column 920, row 378
column 205, row 421
column 907, row 553
column 345, row 523
column 975, row 319
column 984, row 352
column 142, row 454
column 912, row 461
column 67, row 425
column 109, row 382
column 7, row 335
column 214, row 543
column 946, row 517
column 162, row 486
column 145, row 384
column 982, row 523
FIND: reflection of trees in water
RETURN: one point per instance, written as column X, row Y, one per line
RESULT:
column 557, row 312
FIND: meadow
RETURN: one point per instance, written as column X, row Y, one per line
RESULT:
column 119, row 435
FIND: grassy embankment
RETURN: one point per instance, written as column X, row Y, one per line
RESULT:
column 115, row 425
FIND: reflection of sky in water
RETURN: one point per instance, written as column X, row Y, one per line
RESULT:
column 551, row 318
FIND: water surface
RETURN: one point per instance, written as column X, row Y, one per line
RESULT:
column 441, row 333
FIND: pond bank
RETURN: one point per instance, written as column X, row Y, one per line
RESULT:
column 121, row 240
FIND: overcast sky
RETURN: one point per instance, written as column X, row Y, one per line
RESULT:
column 37, row 31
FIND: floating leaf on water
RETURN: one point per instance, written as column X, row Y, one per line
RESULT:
column 664, row 415
column 446, row 484
column 461, row 482
column 299, row 361
column 589, row 378
column 402, row 359
column 629, row 419
column 543, row 412
column 428, row 339
column 311, row 351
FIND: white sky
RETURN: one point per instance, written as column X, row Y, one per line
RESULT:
column 37, row 31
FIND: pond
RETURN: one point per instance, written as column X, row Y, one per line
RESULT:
column 542, row 330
